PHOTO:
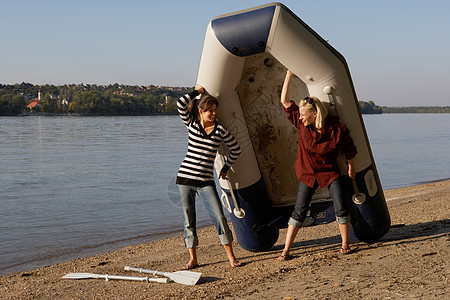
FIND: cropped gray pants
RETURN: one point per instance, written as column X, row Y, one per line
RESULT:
column 305, row 194
column 212, row 203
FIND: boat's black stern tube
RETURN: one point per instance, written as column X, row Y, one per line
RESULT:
column 370, row 220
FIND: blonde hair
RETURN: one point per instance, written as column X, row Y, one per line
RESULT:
column 313, row 104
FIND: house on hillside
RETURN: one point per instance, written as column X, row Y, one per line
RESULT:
column 35, row 105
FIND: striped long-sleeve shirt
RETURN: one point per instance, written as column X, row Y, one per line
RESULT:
column 197, row 167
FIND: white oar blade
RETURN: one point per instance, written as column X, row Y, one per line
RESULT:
column 80, row 276
column 185, row 277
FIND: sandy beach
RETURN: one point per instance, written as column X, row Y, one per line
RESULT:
column 410, row 262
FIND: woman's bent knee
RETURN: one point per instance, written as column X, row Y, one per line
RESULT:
column 295, row 223
column 343, row 220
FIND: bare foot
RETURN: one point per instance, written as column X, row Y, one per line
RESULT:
column 346, row 250
column 190, row 265
column 235, row 263
column 284, row 257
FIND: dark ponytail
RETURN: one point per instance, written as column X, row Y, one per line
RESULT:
column 193, row 109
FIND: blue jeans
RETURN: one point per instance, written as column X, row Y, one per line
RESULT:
column 212, row 203
column 305, row 194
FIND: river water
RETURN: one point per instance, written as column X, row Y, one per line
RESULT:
column 75, row 186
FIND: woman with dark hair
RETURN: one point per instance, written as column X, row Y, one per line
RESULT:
column 196, row 176
column 320, row 140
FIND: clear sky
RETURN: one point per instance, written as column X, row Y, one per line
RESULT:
column 398, row 51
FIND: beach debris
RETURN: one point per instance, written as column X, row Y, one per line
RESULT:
column 428, row 254
column 100, row 264
column 183, row 277
column 107, row 277
column 398, row 225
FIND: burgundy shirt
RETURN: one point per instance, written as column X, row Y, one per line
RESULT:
column 317, row 153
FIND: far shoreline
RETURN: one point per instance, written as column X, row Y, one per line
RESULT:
column 25, row 114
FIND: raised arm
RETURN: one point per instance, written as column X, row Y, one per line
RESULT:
column 201, row 90
column 183, row 104
column 285, row 101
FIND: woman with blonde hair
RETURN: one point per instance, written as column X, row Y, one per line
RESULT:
column 320, row 140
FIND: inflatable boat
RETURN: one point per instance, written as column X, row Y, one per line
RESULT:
column 243, row 64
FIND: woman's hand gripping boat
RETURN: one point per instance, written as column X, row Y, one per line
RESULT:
column 243, row 64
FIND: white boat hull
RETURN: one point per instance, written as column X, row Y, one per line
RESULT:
column 244, row 61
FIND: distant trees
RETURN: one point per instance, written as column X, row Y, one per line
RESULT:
column 11, row 104
column 112, row 100
column 48, row 105
column 370, row 108
column 119, row 100
column 108, row 104
column 416, row 109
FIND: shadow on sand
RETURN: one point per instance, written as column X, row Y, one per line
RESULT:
column 398, row 233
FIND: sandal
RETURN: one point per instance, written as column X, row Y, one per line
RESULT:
column 235, row 264
column 189, row 266
column 284, row 257
column 346, row 251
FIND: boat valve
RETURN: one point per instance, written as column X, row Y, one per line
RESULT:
column 329, row 89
